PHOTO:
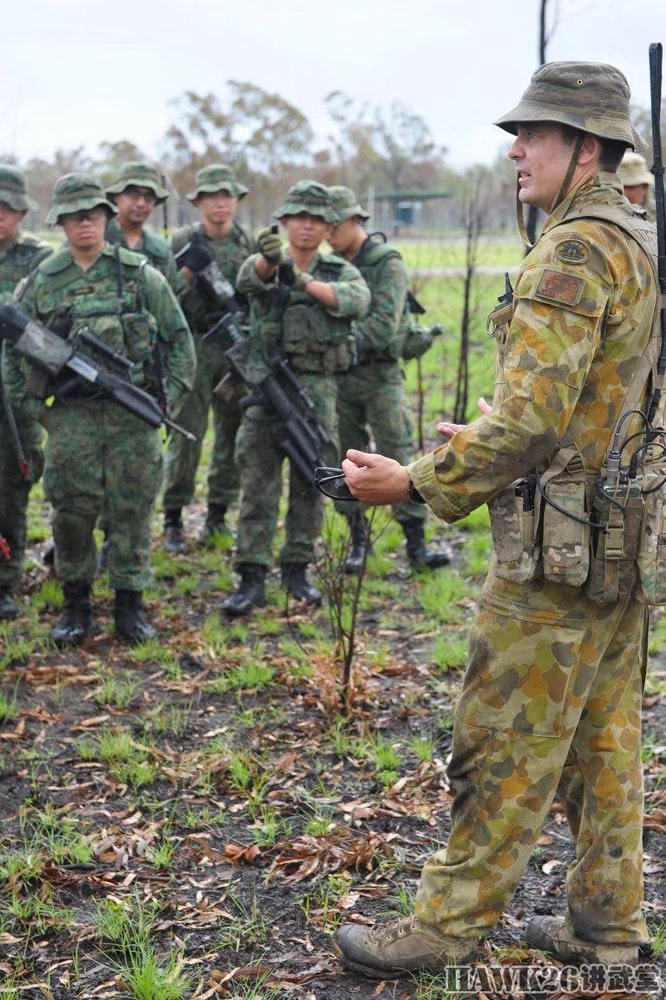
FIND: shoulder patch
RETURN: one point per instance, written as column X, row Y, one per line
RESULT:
column 565, row 289
column 571, row 251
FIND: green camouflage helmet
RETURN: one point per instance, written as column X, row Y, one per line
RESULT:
column 633, row 170
column 77, row 193
column 344, row 204
column 592, row 97
column 216, row 177
column 13, row 190
column 307, row 196
column 138, row 173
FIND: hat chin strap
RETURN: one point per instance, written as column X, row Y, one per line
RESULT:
column 520, row 218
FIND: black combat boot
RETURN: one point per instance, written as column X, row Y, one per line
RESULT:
column 250, row 593
column 174, row 538
column 295, row 582
column 215, row 525
column 130, row 618
column 360, row 543
column 420, row 557
column 8, row 606
column 76, row 619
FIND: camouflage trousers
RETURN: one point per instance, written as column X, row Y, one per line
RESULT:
column 183, row 456
column 372, row 398
column 261, row 464
column 14, row 492
column 99, row 458
column 552, row 695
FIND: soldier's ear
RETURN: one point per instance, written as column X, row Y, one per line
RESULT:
column 590, row 149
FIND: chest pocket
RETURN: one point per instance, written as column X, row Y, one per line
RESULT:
column 315, row 341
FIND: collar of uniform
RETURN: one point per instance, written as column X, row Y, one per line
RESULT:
column 18, row 239
column 590, row 186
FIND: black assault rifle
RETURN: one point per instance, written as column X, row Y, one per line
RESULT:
column 660, row 199
column 54, row 356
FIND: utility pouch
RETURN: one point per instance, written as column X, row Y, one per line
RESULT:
column 513, row 524
column 651, row 558
column 566, row 533
column 614, row 543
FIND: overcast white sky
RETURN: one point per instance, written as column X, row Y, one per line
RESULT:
column 77, row 72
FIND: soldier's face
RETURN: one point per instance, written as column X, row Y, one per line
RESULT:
column 304, row 231
column 134, row 205
column 85, row 230
column 218, row 207
column 9, row 223
column 637, row 194
column 542, row 158
column 343, row 236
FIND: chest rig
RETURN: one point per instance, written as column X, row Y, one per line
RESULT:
column 605, row 533
column 110, row 306
column 315, row 342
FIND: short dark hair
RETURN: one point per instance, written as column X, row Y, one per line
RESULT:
column 612, row 150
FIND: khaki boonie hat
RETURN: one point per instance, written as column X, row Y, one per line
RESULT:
column 633, row 170
column 13, row 191
column 592, row 97
column 216, row 177
column 307, row 196
column 139, row 174
column 344, row 204
column 77, row 193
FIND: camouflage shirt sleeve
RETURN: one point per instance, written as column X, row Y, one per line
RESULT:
column 382, row 322
column 552, row 340
column 248, row 281
column 15, row 368
column 351, row 292
column 173, row 332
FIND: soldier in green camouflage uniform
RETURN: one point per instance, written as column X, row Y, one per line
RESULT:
column 372, row 395
column 554, row 680
column 217, row 195
column 136, row 191
column 98, row 455
column 19, row 254
column 310, row 324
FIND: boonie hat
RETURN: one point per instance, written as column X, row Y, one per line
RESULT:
column 592, row 97
column 344, row 204
column 13, row 190
column 216, row 177
column 77, row 193
column 140, row 174
column 307, row 196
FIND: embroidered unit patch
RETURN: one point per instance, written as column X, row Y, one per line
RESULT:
column 572, row 252
column 562, row 288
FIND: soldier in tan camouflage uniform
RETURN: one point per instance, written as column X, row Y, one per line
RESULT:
column 636, row 178
column 308, row 323
column 554, row 680
column 19, row 254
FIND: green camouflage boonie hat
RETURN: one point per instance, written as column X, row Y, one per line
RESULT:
column 77, row 193
column 307, row 196
column 13, row 190
column 344, row 204
column 592, row 97
column 139, row 174
column 633, row 170
column 216, row 177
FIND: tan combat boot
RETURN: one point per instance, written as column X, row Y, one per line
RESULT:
column 404, row 945
column 556, row 936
